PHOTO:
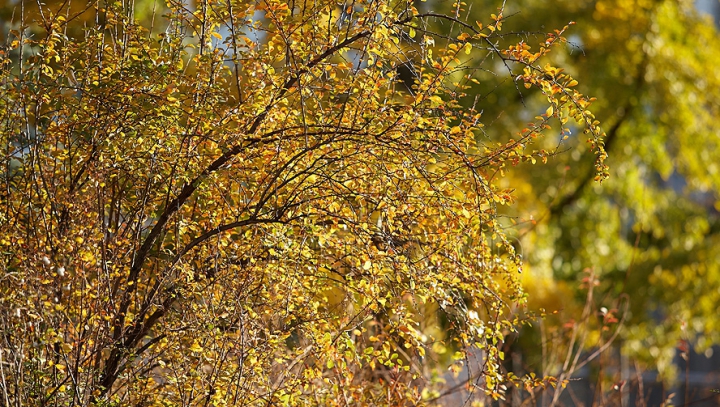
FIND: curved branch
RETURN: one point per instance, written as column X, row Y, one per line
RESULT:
column 216, row 231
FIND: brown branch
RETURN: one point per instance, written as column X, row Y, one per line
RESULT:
column 215, row 231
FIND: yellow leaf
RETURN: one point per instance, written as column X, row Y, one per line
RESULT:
column 196, row 347
column 216, row 35
column 550, row 110
column 367, row 265
column 468, row 48
column 411, row 33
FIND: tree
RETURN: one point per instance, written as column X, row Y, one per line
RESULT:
column 650, row 231
column 242, row 203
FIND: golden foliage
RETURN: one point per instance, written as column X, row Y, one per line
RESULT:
column 255, row 205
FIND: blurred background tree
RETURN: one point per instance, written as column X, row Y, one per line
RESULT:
column 651, row 231
column 649, row 234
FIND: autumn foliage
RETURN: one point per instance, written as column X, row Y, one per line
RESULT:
column 261, row 203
